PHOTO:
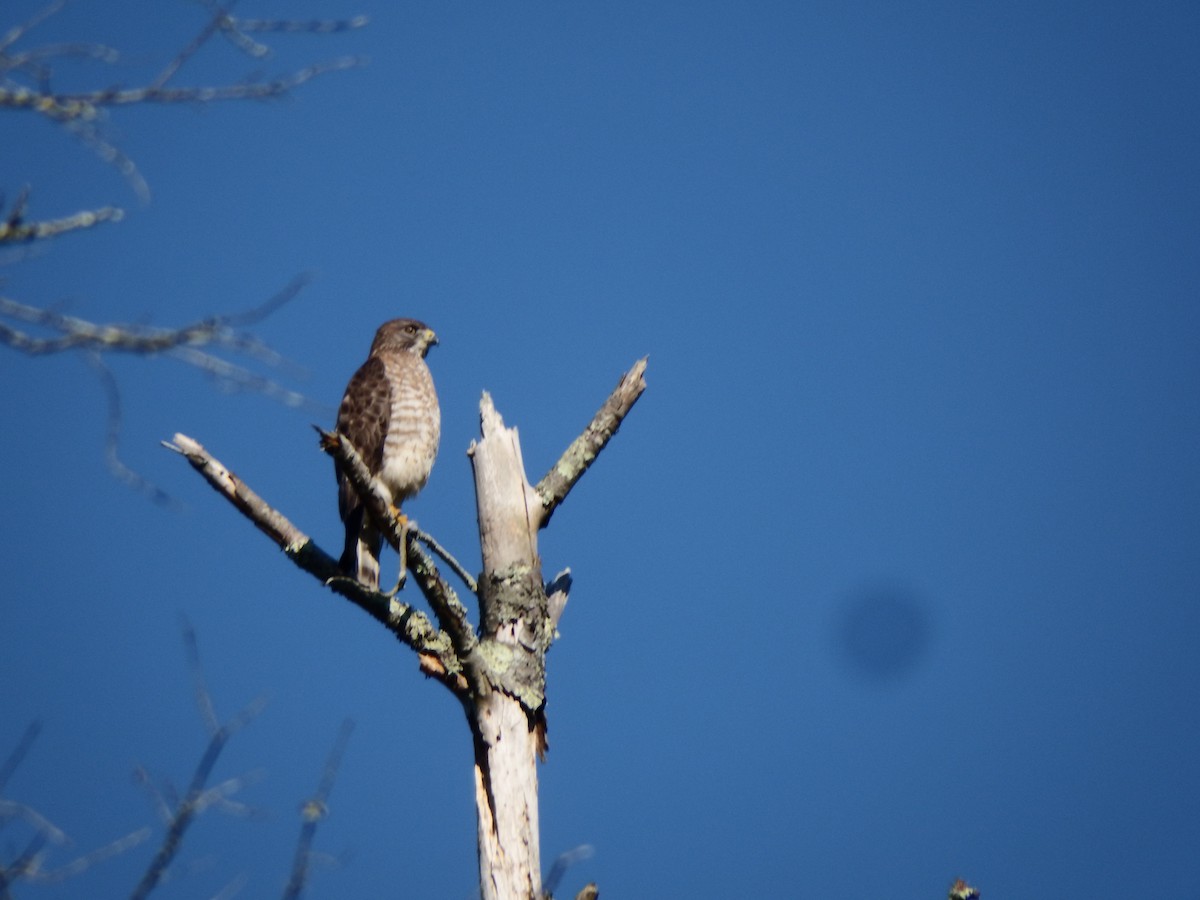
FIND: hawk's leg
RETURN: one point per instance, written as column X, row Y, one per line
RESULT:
column 403, row 524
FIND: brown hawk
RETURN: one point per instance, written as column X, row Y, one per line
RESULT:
column 390, row 413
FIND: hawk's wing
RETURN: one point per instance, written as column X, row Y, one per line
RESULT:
column 363, row 418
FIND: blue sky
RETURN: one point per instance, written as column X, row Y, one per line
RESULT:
column 892, row 576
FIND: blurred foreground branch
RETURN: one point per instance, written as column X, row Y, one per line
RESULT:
column 28, row 83
column 195, row 345
column 198, row 796
column 30, row 863
column 31, row 83
column 313, row 811
column 16, row 230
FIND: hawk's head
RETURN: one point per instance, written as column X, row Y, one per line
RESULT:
column 407, row 335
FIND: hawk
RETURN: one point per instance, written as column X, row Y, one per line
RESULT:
column 390, row 414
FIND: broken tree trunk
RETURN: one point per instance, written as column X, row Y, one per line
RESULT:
column 515, row 634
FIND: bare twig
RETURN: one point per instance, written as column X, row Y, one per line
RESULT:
column 112, row 438
column 315, row 808
column 32, row 60
column 66, row 107
column 563, row 862
column 218, row 796
column 87, row 130
column 17, row 756
column 232, row 888
column 15, row 230
column 17, row 32
column 10, row 809
column 199, row 684
column 81, row 864
column 214, row 23
column 281, row 26
column 162, row 806
column 24, row 864
column 556, row 483
column 428, row 540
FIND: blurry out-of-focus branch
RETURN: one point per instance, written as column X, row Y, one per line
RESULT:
column 16, row 230
column 86, row 105
column 27, row 82
column 198, row 796
column 71, row 333
column 31, row 83
column 313, row 810
column 14, row 760
column 562, row 862
column 196, row 344
column 81, row 864
column 30, row 863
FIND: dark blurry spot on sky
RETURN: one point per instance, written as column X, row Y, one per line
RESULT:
column 882, row 633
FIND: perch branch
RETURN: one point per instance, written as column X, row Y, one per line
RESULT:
column 410, row 626
column 557, row 483
column 450, row 612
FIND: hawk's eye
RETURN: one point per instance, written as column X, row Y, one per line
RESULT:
column 411, row 329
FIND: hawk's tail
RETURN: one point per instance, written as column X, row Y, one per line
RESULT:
column 367, row 571
column 360, row 557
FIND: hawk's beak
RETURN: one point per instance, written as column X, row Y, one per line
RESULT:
column 430, row 337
